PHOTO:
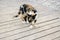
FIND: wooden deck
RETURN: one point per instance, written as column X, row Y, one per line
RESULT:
column 47, row 26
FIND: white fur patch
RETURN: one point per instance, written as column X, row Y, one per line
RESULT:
column 31, row 13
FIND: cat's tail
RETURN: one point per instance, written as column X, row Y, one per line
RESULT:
column 17, row 15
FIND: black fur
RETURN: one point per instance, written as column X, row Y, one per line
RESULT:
column 34, row 11
column 32, row 18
